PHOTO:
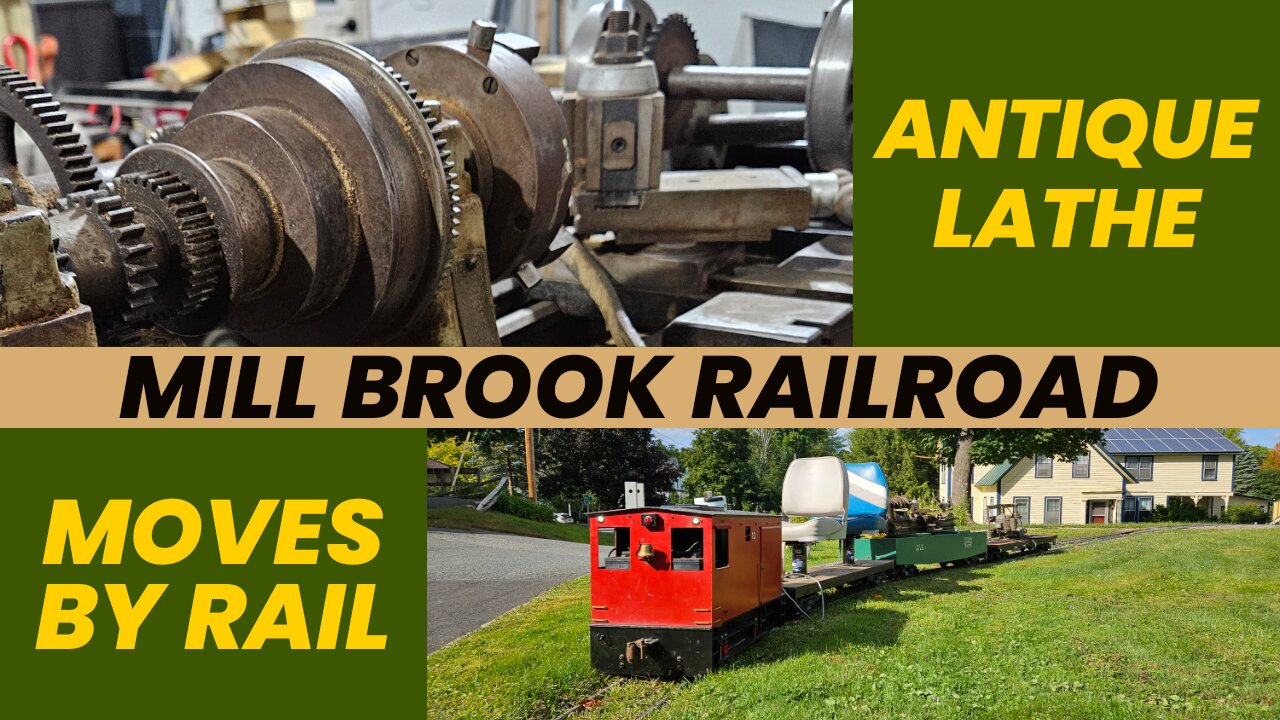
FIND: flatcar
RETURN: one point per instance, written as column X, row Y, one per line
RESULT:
column 676, row 591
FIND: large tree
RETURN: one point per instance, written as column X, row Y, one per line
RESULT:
column 911, row 466
column 495, row 452
column 1245, row 472
column 571, row 463
column 1267, row 484
column 747, row 466
column 963, row 448
column 724, row 461
column 1272, row 461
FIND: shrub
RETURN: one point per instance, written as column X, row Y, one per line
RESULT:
column 1180, row 510
column 1244, row 514
column 521, row 506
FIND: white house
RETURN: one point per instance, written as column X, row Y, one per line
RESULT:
column 1121, row 479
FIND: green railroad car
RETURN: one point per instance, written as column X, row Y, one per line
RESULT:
column 923, row 549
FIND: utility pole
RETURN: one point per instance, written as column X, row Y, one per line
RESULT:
column 528, row 463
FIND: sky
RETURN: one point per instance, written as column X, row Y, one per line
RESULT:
column 1262, row 436
column 683, row 437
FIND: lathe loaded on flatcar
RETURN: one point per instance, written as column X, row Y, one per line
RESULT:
column 678, row 590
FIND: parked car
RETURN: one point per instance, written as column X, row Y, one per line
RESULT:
column 564, row 518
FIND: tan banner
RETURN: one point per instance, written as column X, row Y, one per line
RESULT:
column 654, row 387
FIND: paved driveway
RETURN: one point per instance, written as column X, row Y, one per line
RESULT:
column 473, row 577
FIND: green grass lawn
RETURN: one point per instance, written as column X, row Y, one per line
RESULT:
column 466, row 518
column 1067, row 532
column 1163, row 625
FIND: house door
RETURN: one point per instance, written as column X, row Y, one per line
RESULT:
column 1097, row 511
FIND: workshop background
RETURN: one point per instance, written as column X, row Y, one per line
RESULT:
column 364, row 172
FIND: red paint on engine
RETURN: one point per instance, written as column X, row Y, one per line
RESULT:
column 740, row 568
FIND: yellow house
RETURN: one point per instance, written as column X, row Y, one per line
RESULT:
column 1121, row 479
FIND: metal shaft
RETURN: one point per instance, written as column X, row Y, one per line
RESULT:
column 712, row 82
column 749, row 128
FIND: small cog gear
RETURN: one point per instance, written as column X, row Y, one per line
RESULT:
column 110, row 216
column 163, row 133
column 672, row 45
column 26, row 104
column 179, row 219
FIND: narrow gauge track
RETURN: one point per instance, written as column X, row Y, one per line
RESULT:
column 1074, row 542
column 586, row 703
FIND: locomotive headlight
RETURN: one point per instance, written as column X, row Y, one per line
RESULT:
column 599, row 518
column 697, row 521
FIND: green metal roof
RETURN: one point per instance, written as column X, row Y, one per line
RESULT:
column 993, row 475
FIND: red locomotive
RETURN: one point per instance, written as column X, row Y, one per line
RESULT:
column 676, row 591
column 681, row 589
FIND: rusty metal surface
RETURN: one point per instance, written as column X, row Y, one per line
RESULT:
column 704, row 206
column 100, row 241
column 517, row 134
column 463, row 313
column 39, row 306
column 332, row 196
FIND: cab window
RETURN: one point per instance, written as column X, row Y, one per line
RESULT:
column 686, row 548
column 615, row 548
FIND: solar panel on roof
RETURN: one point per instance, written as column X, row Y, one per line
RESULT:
column 1167, row 440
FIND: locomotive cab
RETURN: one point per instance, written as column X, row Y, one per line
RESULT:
column 677, row 590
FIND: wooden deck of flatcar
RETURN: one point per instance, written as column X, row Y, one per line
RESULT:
column 833, row 576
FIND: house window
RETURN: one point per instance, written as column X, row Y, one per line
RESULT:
column 1044, row 466
column 1209, row 467
column 1080, row 467
column 1023, row 506
column 1139, row 466
column 1138, row 508
column 722, row 547
column 1053, row 511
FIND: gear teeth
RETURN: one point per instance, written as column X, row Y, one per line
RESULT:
column 198, row 248
column 431, row 114
column 163, row 134
column 117, row 220
column 30, row 106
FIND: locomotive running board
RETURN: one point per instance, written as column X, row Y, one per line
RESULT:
column 833, row 576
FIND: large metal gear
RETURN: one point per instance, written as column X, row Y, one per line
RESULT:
column 512, row 137
column 672, row 45
column 332, row 192
column 26, row 104
column 185, row 243
column 112, row 259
